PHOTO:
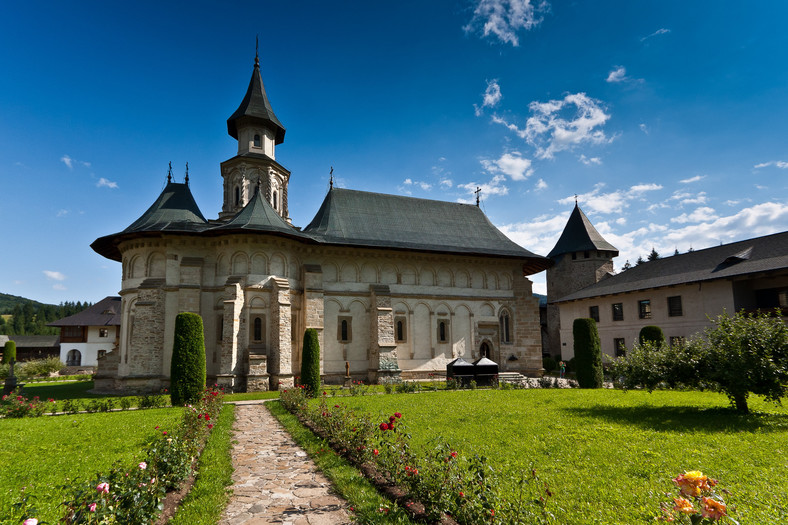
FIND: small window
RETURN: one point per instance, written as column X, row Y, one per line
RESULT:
column 345, row 329
column 103, row 332
column 275, row 203
column 593, row 313
column 586, row 255
column 101, row 353
column 574, row 256
column 644, row 309
column 674, row 306
column 400, row 328
column 257, row 330
column 505, row 331
column 443, row 331
column 621, row 347
column 237, row 195
column 618, row 311
column 257, row 142
column 676, row 340
column 219, row 328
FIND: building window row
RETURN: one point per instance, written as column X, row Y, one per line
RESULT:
column 644, row 309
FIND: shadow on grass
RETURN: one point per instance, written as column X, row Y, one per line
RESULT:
column 684, row 419
column 60, row 390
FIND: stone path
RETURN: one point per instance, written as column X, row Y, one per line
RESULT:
column 274, row 480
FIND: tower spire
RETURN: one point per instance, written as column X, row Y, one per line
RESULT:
column 256, row 48
column 186, row 178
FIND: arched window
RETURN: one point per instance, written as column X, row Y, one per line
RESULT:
column 485, row 351
column 400, row 330
column 442, row 331
column 74, row 358
column 344, row 334
column 237, row 195
column 505, row 329
column 257, row 140
column 275, row 201
column 257, row 330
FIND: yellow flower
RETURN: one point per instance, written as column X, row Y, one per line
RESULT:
column 683, row 505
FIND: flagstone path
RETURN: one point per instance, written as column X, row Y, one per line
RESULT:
column 274, row 479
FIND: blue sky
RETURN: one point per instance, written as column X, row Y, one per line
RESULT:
column 667, row 119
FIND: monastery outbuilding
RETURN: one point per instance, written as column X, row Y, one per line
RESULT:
column 396, row 286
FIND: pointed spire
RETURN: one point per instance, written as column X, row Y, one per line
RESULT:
column 255, row 108
column 580, row 235
column 186, row 178
column 169, row 173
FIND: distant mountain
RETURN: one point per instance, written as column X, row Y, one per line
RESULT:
column 8, row 302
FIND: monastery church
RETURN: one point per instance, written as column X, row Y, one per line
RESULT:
column 397, row 287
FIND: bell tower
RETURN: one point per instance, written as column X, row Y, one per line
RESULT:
column 257, row 130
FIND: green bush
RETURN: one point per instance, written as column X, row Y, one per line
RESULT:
column 187, row 369
column 588, row 355
column 549, row 364
column 310, row 363
column 41, row 367
column 652, row 334
column 9, row 352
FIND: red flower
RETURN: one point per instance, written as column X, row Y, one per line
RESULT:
column 207, row 417
column 391, row 419
column 210, row 426
column 397, row 415
column 337, row 406
column 462, row 494
column 199, row 416
column 375, row 451
column 384, row 426
column 453, row 454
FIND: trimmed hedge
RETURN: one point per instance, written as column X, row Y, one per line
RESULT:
column 588, row 354
column 187, row 368
column 9, row 352
column 652, row 334
column 310, row 362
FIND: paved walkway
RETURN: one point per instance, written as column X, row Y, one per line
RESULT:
column 274, row 480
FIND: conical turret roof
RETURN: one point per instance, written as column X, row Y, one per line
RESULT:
column 256, row 109
column 580, row 235
column 258, row 216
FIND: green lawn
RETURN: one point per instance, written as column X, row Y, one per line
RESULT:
column 609, row 456
column 43, row 453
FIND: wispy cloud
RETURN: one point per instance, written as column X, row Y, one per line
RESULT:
column 661, row 31
column 689, row 198
column 494, row 187
column 611, row 202
column 776, row 163
column 492, row 96
column 104, row 183
column 644, row 128
column 696, row 178
column 590, row 161
column 426, row 186
column 701, row 214
column 505, row 18
column 54, row 276
column 62, row 213
column 512, row 164
column 59, row 287
column 70, row 163
column 619, row 75
column 540, row 185
column 563, row 124
column 446, row 183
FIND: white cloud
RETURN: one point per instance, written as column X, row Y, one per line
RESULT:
column 407, row 181
column 589, row 161
column 619, row 74
column 661, row 31
column 492, row 96
column 701, row 214
column 689, row 198
column 776, row 163
column 62, row 213
column 446, row 183
column 59, row 287
column 426, row 186
column 511, row 164
column 494, row 187
column 104, row 183
column 68, row 161
column 538, row 235
column 540, row 185
column 644, row 128
column 696, row 178
column 612, row 202
column 504, row 18
column 54, row 276
column 559, row 125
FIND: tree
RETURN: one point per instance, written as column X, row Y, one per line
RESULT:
column 676, row 252
column 9, row 352
column 639, row 261
column 652, row 334
column 187, row 368
column 653, row 256
column 310, row 362
column 588, row 354
column 626, row 266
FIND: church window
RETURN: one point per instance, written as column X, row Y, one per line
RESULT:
column 219, row 328
column 443, row 331
column 275, row 200
column 257, row 142
column 237, row 195
column 258, row 326
column 345, row 329
column 400, row 326
column 505, row 329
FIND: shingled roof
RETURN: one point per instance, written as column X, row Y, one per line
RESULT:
column 580, row 235
column 104, row 313
column 752, row 256
column 256, row 109
column 376, row 220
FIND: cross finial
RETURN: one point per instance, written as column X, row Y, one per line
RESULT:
column 186, row 179
column 331, row 177
column 169, row 173
column 256, row 47
column 477, row 192
column 575, row 199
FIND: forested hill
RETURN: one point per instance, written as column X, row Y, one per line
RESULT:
column 30, row 317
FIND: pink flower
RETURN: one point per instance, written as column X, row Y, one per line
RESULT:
column 102, row 487
column 30, row 521
column 92, row 507
column 142, row 465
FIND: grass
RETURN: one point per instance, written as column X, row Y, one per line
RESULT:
column 209, row 494
column 347, row 480
column 59, row 391
column 248, row 396
column 44, row 453
column 609, row 456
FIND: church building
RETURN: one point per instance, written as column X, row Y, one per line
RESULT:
column 396, row 286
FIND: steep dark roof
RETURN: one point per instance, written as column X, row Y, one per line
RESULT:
column 580, row 235
column 359, row 218
column 173, row 211
column 104, row 313
column 35, row 341
column 761, row 254
column 259, row 217
column 256, row 109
